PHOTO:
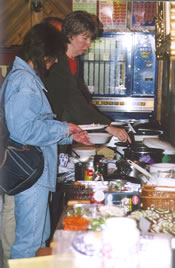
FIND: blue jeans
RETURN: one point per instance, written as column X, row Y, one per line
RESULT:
column 32, row 222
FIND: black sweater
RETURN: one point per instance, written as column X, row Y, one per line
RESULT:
column 69, row 96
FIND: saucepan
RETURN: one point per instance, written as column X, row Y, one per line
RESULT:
column 144, row 154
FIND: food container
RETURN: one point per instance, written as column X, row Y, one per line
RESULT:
column 162, row 169
column 99, row 138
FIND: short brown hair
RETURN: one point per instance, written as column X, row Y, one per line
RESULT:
column 78, row 22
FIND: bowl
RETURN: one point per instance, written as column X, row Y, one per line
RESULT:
column 85, row 152
column 162, row 167
column 99, row 138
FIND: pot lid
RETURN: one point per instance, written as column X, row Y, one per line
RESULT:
column 157, row 143
column 147, row 132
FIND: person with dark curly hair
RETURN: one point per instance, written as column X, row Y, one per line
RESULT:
column 30, row 120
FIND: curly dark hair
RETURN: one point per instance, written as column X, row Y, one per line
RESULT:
column 78, row 22
column 42, row 40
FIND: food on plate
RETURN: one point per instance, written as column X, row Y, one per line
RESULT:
column 80, row 211
column 161, row 220
column 75, row 223
column 97, row 224
column 112, row 211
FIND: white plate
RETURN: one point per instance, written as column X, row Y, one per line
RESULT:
column 118, row 123
column 92, row 126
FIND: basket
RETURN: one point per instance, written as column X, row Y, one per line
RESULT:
column 158, row 197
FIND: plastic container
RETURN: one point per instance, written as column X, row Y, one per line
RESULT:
column 163, row 170
column 120, row 239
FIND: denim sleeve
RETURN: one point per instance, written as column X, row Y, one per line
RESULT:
column 26, row 112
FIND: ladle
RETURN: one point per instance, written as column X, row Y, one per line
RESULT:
column 139, row 168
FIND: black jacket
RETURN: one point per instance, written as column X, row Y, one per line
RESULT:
column 69, row 96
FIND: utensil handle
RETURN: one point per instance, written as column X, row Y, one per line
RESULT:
column 142, row 170
column 77, row 155
column 131, row 128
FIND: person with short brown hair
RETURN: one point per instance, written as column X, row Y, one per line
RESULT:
column 67, row 92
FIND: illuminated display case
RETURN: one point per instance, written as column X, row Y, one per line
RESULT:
column 120, row 70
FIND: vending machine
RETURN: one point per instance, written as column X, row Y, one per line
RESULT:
column 120, row 67
column 120, row 70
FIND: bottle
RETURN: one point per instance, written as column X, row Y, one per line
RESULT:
column 97, row 174
column 89, row 171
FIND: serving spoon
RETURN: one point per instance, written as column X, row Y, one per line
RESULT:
column 139, row 168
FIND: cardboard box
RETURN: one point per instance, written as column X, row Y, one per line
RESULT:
column 129, row 200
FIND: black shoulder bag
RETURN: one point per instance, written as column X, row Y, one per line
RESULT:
column 20, row 165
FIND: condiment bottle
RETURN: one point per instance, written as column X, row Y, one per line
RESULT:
column 97, row 174
column 89, row 171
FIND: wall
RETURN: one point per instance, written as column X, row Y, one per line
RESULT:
column 16, row 17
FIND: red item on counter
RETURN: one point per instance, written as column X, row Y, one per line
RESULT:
column 97, row 197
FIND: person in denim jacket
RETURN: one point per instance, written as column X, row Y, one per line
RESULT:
column 30, row 121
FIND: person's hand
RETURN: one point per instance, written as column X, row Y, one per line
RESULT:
column 74, row 128
column 78, row 134
column 120, row 133
column 82, row 137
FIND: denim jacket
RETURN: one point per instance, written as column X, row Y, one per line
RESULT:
column 30, row 119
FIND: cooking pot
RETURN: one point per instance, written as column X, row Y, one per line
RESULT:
column 144, row 154
column 120, row 146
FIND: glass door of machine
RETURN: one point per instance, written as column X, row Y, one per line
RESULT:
column 120, row 71
column 107, row 65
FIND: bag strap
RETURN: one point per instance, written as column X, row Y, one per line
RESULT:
column 4, row 132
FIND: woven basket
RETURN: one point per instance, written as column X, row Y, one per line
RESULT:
column 159, row 197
